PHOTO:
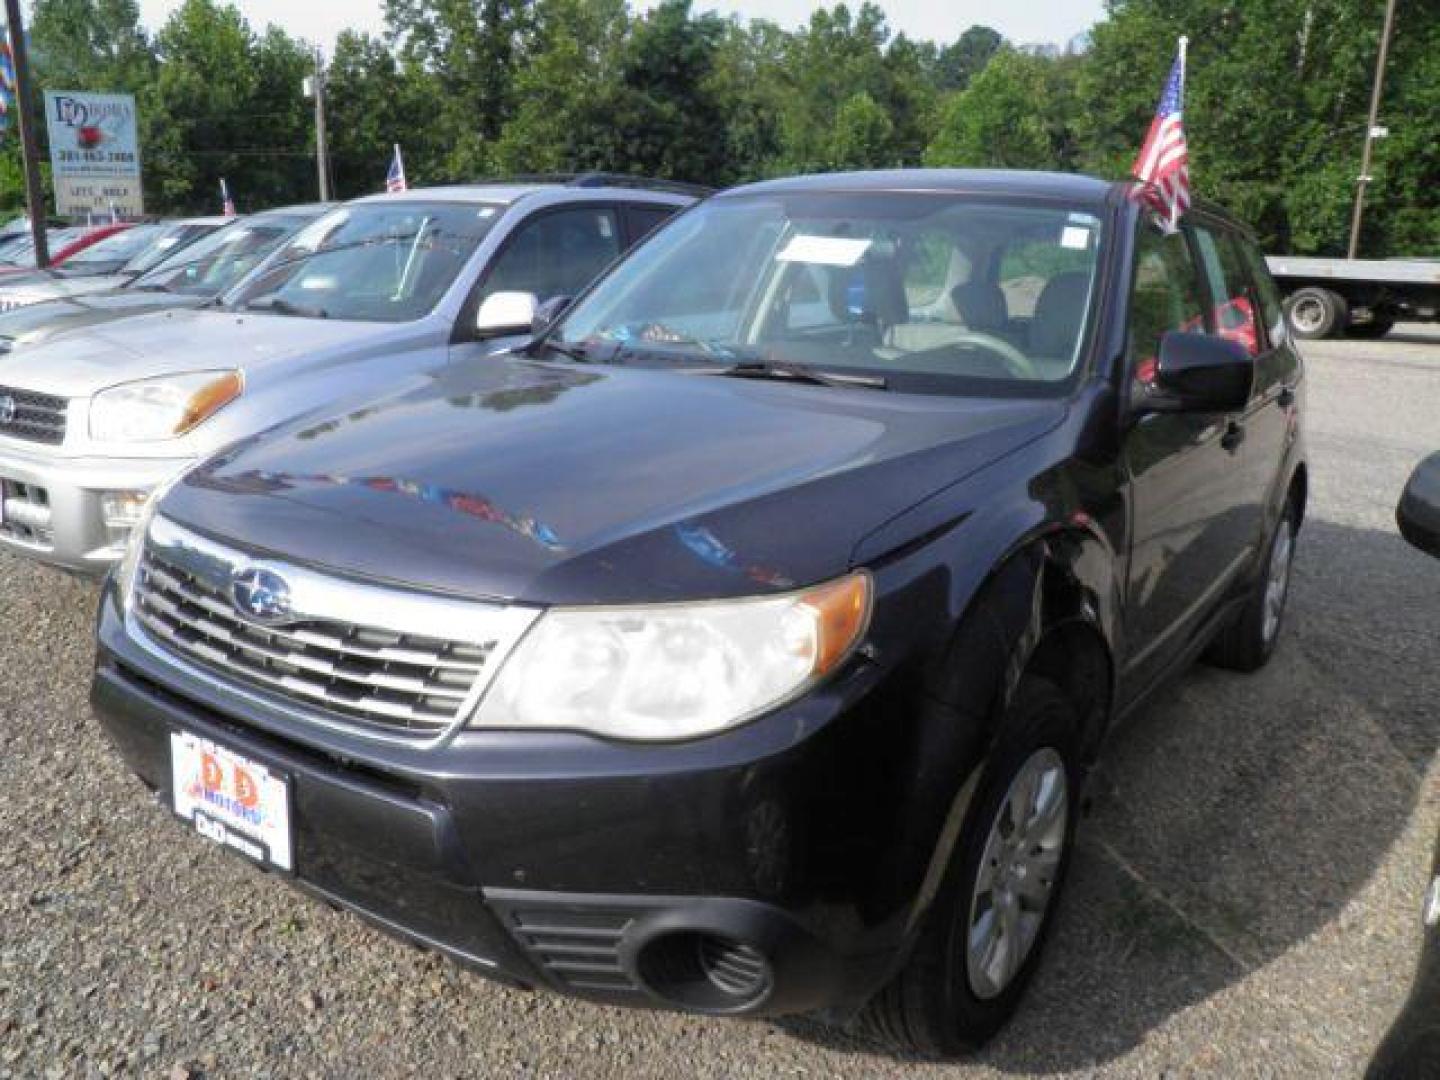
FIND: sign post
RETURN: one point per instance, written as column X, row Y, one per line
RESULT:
column 94, row 153
column 34, row 197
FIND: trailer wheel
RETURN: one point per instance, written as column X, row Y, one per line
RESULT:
column 1373, row 330
column 1316, row 313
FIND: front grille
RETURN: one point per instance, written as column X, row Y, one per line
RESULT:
column 32, row 417
column 579, row 948
column 26, row 516
column 402, row 683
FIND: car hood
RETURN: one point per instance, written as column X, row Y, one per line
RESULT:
column 169, row 342
column 556, row 483
column 39, row 322
column 34, row 289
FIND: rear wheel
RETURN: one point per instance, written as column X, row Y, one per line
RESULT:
column 1248, row 643
column 983, row 936
column 1316, row 313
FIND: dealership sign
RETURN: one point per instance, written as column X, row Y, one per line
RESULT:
column 94, row 153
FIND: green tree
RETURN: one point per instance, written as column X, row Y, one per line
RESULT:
column 1017, row 113
column 90, row 45
column 963, row 59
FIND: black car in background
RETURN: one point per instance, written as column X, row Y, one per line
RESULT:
column 742, row 644
column 1411, row 1051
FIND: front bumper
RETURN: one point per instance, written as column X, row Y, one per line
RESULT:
column 53, row 504
column 566, row 862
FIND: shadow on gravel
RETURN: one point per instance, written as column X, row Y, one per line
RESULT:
column 1238, row 814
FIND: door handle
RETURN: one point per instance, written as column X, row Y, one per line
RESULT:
column 1233, row 437
column 1287, row 398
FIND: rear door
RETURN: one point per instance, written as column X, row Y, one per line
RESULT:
column 1191, row 529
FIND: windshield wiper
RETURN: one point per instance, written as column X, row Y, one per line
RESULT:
column 784, row 372
column 281, row 306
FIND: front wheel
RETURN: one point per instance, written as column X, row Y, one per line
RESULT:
column 983, row 935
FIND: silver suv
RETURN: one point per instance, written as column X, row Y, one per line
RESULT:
column 379, row 293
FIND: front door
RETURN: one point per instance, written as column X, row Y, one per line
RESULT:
column 1191, row 528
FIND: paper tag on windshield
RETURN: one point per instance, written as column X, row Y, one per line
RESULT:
column 1074, row 238
column 825, row 250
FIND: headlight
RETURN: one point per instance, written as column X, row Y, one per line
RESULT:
column 162, row 408
column 675, row 671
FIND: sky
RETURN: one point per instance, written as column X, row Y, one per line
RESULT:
column 1023, row 21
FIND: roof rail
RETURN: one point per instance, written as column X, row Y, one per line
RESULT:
column 626, row 180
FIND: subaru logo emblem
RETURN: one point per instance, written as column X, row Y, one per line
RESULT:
column 7, row 409
column 261, row 595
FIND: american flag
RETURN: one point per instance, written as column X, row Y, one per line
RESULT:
column 395, row 178
column 1164, row 161
column 227, row 204
column 7, row 81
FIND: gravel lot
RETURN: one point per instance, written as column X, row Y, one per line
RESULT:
column 1245, row 901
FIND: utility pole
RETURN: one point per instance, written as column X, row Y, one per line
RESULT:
column 1371, row 127
column 315, row 88
column 34, row 196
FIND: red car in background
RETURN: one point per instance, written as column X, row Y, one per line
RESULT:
column 63, row 243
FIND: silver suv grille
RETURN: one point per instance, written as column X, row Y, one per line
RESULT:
column 32, row 417
column 376, row 677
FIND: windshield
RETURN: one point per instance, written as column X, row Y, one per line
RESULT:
column 929, row 293
column 210, row 266
column 373, row 262
column 171, row 239
column 23, row 253
column 115, row 250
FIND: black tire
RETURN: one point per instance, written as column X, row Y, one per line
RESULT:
column 931, row 1007
column 1313, row 313
column 1248, row 643
column 1374, row 330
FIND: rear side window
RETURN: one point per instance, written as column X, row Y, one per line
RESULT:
column 646, row 219
column 1166, row 296
column 1272, row 310
column 1234, row 317
column 556, row 253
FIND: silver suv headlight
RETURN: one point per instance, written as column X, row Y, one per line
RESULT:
column 676, row 671
column 155, row 409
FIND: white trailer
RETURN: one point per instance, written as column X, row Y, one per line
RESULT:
column 1360, row 298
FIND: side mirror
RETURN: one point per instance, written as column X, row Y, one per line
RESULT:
column 505, row 313
column 1201, row 373
column 548, row 313
column 1419, row 510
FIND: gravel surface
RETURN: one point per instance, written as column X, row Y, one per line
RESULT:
column 1245, row 900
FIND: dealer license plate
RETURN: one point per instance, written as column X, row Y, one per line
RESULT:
column 231, row 799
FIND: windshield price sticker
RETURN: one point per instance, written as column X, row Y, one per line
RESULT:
column 1077, row 239
column 825, row 250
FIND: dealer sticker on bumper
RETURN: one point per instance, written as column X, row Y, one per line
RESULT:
column 230, row 799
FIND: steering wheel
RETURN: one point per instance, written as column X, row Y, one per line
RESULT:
column 1017, row 362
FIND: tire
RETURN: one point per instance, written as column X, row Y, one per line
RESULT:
column 1374, row 330
column 1248, row 643
column 1315, row 313
column 939, row 1005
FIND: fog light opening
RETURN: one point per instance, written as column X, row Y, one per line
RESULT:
column 122, row 509
column 706, row 972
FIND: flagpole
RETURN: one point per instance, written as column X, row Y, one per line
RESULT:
column 1184, row 75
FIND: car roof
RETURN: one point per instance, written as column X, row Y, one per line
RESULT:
column 1073, row 186
column 507, row 193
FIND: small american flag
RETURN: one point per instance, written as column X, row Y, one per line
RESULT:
column 227, row 204
column 1164, row 161
column 395, row 178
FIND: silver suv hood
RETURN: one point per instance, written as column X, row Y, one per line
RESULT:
column 169, row 342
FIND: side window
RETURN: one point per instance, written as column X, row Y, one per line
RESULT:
column 556, row 253
column 644, row 220
column 1234, row 317
column 1272, row 310
column 1166, row 296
